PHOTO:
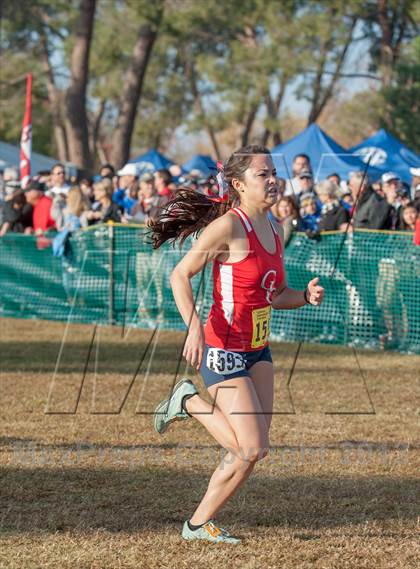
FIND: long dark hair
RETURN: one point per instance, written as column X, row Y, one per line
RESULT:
column 189, row 211
column 403, row 225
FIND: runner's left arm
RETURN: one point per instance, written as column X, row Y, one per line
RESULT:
column 286, row 298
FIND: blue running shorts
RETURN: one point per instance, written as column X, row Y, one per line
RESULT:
column 219, row 365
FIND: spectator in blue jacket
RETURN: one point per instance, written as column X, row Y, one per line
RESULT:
column 126, row 196
column 309, row 212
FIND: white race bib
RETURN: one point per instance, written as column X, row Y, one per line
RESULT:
column 223, row 362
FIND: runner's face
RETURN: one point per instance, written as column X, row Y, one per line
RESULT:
column 260, row 183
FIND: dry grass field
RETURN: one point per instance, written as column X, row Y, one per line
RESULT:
column 86, row 486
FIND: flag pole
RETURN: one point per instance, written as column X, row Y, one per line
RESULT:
column 26, row 138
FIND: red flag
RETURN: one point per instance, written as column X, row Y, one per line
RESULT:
column 26, row 138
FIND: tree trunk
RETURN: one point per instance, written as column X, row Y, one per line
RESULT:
column 390, row 45
column 273, row 109
column 213, row 140
column 55, row 100
column 95, row 130
column 317, row 88
column 248, row 124
column 131, row 93
column 277, row 139
column 386, row 42
column 75, row 99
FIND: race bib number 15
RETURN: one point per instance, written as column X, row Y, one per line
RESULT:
column 260, row 326
column 223, row 362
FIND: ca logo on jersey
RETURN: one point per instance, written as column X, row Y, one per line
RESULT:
column 268, row 284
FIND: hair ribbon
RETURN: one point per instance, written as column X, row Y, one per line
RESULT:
column 222, row 184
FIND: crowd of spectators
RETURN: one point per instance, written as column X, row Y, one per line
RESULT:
column 344, row 205
column 50, row 201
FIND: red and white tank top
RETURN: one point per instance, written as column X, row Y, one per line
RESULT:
column 239, row 319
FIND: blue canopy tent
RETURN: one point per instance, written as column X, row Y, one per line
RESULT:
column 326, row 155
column 201, row 162
column 388, row 154
column 151, row 161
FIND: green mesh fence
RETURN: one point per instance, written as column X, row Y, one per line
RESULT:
column 112, row 275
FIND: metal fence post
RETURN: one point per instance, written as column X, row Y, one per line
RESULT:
column 111, row 274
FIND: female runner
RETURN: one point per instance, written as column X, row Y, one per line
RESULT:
column 231, row 351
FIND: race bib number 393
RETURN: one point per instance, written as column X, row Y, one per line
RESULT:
column 223, row 362
column 260, row 326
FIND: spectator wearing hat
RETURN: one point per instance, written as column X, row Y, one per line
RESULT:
column 369, row 210
column 301, row 162
column 147, row 184
column 58, row 181
column 391, row 184
column 10, row 189
column 306, row 183
column 42, row 219
column 302, row 184
column 17, row 215
column 44, row 176
column 128, row 188
column 334, row 217
column 10, row 182
column 127, row 175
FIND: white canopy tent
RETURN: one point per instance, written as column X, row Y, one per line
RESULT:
column 10, row 156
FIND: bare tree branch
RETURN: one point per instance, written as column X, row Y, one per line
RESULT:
column 322, row 96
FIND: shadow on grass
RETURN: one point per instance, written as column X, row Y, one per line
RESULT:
column 123, row 356
column 121, row 500
column 113, row 357
column 17, row 443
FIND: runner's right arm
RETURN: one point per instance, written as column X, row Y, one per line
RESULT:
column 213, row 241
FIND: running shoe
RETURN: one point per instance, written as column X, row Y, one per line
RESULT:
column 209, row 532
column 171, row 409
